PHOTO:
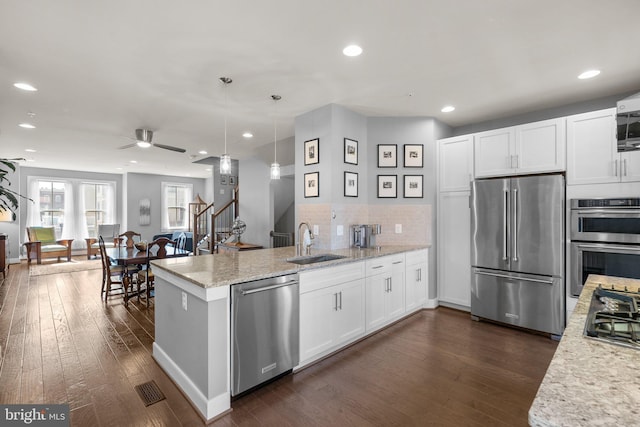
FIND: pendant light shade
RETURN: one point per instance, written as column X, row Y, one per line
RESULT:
column 225, row 159
column 275, row 167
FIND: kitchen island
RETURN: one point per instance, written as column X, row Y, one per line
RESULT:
column 192, row 313
column 589, row 382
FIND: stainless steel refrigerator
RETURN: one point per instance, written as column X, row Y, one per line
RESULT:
column 517, row 251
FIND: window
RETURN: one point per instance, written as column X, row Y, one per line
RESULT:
column 175, row 205
column 51, row 197
column 99, row 205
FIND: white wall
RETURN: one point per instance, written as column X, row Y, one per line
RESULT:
column 256, row 201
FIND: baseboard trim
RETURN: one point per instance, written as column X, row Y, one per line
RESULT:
column 209, row 409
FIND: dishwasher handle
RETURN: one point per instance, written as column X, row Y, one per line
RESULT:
column 268, row 288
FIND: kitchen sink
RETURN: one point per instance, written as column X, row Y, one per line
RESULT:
column 312, row 259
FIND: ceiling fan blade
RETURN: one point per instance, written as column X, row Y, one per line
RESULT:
column 127, row 146
column 169, row 147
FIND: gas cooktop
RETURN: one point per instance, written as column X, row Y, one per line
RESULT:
column 613, row 317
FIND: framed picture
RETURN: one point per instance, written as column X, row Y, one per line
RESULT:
column 350, row 184
column 233, row 180
column 351, row 151
column 145, row 211
column 223, row 179
column 312, row 152
column 387, row 155
column 413, row 155
column 312, row 184
column 387, row 186
column 413, row 186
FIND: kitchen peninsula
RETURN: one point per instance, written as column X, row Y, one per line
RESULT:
column 192, row 309
column 589, row 382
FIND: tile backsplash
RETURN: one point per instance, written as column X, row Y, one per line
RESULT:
column 415, row 220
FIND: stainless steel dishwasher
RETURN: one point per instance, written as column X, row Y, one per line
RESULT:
column 264, row 330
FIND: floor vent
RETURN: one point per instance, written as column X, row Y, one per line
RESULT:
column 149, row 393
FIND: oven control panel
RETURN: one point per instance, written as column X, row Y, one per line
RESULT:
column 606, row 203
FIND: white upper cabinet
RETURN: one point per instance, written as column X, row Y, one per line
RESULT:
column 494, row 152
column 455, row 163
column 592, row 152
column 541, row 147
column 531, row 148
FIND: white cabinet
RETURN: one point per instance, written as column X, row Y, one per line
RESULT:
column 455, row 163
column 385, row 288
column 331, row 309
column 454, row 250
column 530, row 148
column 593, row 156
column 416, row 279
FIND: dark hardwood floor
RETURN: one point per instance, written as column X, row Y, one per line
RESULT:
column 59, row 343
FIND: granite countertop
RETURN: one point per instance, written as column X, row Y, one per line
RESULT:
column 589, row 382
column 228, row 268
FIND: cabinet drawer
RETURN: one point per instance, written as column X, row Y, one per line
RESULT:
column 416, row 257
column 330, row 276
column 383, row 264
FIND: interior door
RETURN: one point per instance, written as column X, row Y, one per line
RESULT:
column 537, row 204
column 489, row 223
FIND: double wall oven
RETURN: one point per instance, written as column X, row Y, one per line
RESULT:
column 605, row 239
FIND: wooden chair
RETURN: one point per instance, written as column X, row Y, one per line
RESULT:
column 146, row 275
column 111, row 274
column 43, row 244
column 130, row 238
column 109, row 232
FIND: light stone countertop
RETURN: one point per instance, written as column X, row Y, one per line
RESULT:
column 589, row 382
column 228, row 268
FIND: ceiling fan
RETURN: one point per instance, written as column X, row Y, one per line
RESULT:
column 143, row 140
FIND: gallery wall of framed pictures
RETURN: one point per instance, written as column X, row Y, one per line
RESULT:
column 412, row 185
column 413, row 157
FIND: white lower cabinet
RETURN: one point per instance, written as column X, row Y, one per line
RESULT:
column 416, row 277
column 331, row 309
column 385, row 290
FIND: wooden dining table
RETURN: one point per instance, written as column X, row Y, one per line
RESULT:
column 129, row 257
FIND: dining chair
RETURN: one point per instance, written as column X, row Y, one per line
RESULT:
column 146, row 274
column 181, row 242
column 131, row 237
column 111, row 274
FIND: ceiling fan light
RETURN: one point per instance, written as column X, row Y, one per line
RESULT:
column 275, row 171
column 225, row 164
column 143, row 144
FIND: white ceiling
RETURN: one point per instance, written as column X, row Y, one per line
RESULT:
column 105, row 68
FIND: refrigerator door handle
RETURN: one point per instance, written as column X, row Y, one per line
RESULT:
column 506, row 276
column 505, row 216
column 515, row 225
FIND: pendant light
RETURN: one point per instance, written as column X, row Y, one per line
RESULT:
column 225, row 159
column 275, row 167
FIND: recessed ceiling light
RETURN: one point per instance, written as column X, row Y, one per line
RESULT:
column 247, row 135
column 30, row 150
column 133, row 161
column 202, row 152
column 589, row 74
column 448, row 109
column 25, row 86
column 352, row 50
column 27, row 125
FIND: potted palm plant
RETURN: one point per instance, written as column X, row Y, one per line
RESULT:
column 8, row 197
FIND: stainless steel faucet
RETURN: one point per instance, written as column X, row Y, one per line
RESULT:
column 300, row 244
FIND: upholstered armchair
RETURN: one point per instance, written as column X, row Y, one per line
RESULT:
column 43, row 244
column 109, row 233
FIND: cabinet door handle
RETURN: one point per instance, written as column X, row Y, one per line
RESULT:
column 615, row 168
column 397, row 262
column 390, row 284
column 377, row 266
column 340, row 300
column 335, row 302
column 625, row 166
